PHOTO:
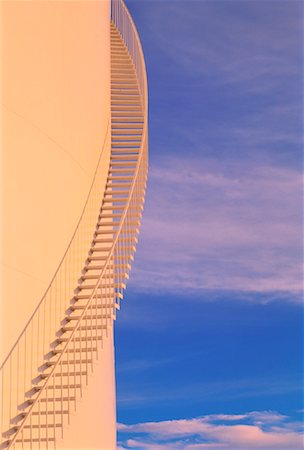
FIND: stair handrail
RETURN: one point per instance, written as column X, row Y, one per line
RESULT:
column 65, row 253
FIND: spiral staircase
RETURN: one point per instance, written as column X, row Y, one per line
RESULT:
column 44, row 375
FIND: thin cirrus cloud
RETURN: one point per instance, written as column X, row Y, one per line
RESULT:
column 252, row 430
column 236, row 42
column 229, row 391
column 206, row 228
column 223, row 210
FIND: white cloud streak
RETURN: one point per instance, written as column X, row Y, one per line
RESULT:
column 204, row 228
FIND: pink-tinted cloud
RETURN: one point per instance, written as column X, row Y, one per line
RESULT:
column 254, row 430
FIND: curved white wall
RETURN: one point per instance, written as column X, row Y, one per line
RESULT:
column 56, row 108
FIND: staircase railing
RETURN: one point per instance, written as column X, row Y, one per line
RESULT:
column 20, row 366
column 16, row 372
column 124, row 23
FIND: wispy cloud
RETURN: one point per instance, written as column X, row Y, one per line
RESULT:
column 140, row 365
column 205, row 227
column 254, row 430
column 234, row 47
column 224, row 205
column 228, row 391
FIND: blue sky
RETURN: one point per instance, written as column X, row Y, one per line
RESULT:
column 209, row 339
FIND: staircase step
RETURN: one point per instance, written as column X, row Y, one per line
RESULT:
column 122, row 73
column 81, row 327
column 123, row 77
column 115, row 206
column 121, row 134
column 128, row 86
column 124, row 90
column 127, row 128
column 103, row 249
column 117, row 157
column 111, row 232
column 49, row 363
column 78, row 339
column 34, row 390
column 107, row 301
column 93, row 277
column 119, row 54
column 97, row 232
column 120, row 178
column 114, row 202
column 55, row 352
column 126, row 138
column 65, row 386
column 93, row 319
column 106, row 215
column 117, row 63
column 124, row 98
column 122, row 171
column 51, row 400
column 124, row 95
column 126, row 148
column 43, row 425
column 41, row 439
column 124, row 84
column 134, row 151
column 51, row 412
column 116, row 285
column 83, row 296
column 46, row 365
column 126, row 111
column 72, row 350
column 9, row 432
column 108, row 224
column 39, row 378
column 121, row 59
column 122, row 103
column 117, row 185
column 120, row 111
column 117, row 47
column 127, row 120
column 18, row 418
column 127, row 144
column 102, row 241
column 99, row 306
column 116, row 192
column 76, row 361
column 94, row 308
column 26, row 404
column 110, row 297
column 96, row 258
column 127, row 70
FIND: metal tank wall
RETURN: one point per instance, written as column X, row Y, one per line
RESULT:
column 56, row 110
